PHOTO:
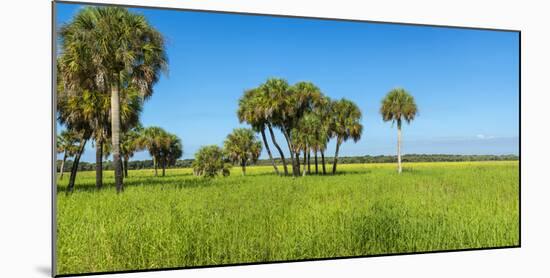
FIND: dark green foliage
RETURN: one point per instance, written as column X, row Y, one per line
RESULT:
column 242, row 147
column 210, row 162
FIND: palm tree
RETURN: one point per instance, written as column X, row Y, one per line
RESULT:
column 241, row 146
column 71, row 115
column 398, row 106
column 321, row 113
column 129, row 145
column 285, row 105
column 305, row 136
column 121, row 50
column 345, row 124
column 251, row 111
column 67, row 144
column 170, row 152
column 280, row 109
column 155, row 140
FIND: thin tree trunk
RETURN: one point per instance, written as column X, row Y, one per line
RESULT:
column 126, row 166
column 323, row 162
column 163, row 167
column 399, row 147
column 308, row 161
column 278, row 148
column 305, row 164
column 99, row 163
column 122, row 168
column 62, row 165
column 338, row 142
column 268, row 150
column 316, row 164
column 115, row 130
column 243, row 168
column 155, row 165
column 293, row 156
column 297, row 157
column 74, row 168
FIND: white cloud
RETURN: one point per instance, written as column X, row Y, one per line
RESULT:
column 483, row 136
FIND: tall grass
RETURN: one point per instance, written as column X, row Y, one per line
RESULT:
column 181, row 220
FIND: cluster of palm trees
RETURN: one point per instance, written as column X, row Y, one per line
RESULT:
column 165, row 148
column 307, row 119
column 109, row 61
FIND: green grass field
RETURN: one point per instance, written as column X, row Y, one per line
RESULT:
column 181, row 220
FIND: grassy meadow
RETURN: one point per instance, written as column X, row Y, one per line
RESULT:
column 181, row 220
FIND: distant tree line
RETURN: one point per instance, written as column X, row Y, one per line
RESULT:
column 188, row 163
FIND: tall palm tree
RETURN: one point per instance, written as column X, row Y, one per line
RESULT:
column 251, row 112
column 322, row 113
column 67, row 144
column 345, row 124
column 122, row 50
column 280, row 107
column 398, row 106
column 242, row 147
column 307, row 96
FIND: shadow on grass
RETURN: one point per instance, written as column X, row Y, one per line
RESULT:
column 173, row 181
column 187, row 180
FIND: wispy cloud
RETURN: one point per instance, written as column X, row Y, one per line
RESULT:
column 484, row 137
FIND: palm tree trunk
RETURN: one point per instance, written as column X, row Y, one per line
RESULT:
column 323, row 162
column 243, row 167
column 74, row 168
column 62, row 165
column 163, row 167
column 399, row 147
column 305, row 163
column 297, row 154
column 293, row 156
column 316, row 164
column 115, row 130
column 99, row 163
column 269, row 151
column 338, row 142
column 308, row 161
column 126, row 166
column 278, row 148
column 155, row 165
column 122, row 169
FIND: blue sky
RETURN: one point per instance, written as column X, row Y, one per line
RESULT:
column 465, row 81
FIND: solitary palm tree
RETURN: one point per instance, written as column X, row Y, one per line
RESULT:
column 398, row 106
column 122, row 50
column 345, row 124
column 242, row 147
